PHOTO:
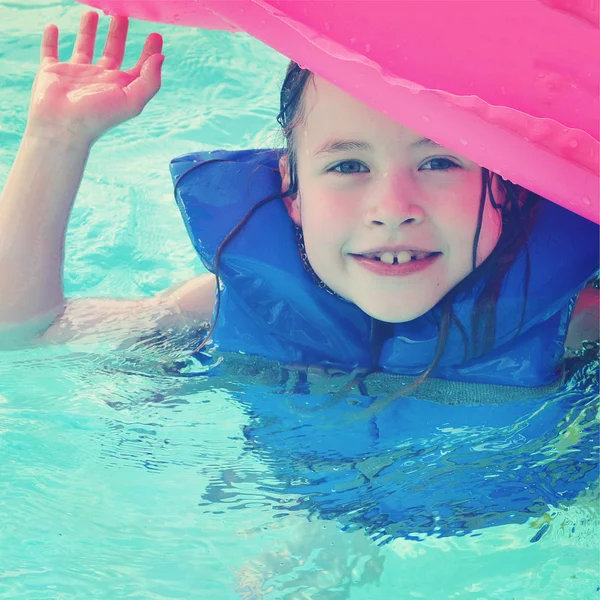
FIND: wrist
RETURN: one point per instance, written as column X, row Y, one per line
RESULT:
column 56, row 139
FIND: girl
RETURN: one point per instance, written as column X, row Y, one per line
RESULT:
column 378, row 243
column 390, row 227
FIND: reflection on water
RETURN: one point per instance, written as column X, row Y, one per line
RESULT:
column 417, row 468
column 272, row 494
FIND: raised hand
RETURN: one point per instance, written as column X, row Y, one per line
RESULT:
column 84, row 100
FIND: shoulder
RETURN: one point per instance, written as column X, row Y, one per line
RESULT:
column 192, row 300
column 585, row 320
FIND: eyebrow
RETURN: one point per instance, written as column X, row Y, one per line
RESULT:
column 345, row 145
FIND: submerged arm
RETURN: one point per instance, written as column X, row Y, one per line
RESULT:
column 184, row 307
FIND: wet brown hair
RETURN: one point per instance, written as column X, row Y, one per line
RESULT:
column 517, row 209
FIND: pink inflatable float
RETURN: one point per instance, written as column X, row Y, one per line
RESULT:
column 511, row 84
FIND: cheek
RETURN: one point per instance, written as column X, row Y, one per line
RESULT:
column 455, row 217
column 327, row 225
column 456, row 221
column 326, row 209
column 462, row 203
column 460, row 225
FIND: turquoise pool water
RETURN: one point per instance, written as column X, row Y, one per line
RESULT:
column 123, row 477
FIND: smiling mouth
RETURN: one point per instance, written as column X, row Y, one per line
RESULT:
column 398, row 258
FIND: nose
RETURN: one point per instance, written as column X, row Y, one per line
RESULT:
column 394, row 202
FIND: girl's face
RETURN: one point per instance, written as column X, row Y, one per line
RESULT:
column 389, row 217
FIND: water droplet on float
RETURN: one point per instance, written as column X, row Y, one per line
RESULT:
column 573, row 144
column 367, row 47
column 463, row 141
column 587, row 201
column 327, row 26
column 427, row 118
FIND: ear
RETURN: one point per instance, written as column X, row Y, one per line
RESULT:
column 499, row 189
column 292, row 203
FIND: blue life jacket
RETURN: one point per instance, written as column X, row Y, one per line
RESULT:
column 271, row 307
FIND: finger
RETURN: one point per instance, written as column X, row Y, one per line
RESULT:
column 143, row 88
column 49, row 48
column 153, row 45
column 114, row 49
column 83, row 52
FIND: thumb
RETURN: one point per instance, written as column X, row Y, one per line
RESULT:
column 143, row 88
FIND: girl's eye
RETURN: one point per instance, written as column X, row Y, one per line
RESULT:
column 348, row 167
column 439, row 164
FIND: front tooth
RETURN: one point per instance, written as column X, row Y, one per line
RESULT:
column 403, row 257
column 387, row 258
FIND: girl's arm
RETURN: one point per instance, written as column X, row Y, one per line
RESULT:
column 585, row 320
column 186, row 306
column 72, row 105
column 34, row 210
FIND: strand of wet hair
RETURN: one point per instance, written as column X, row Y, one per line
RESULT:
column 222, row 247
column 485, row 185
column 219, row 252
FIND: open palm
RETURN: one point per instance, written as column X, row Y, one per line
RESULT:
column 85, row 99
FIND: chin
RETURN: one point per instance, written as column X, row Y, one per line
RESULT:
column 394, row 314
